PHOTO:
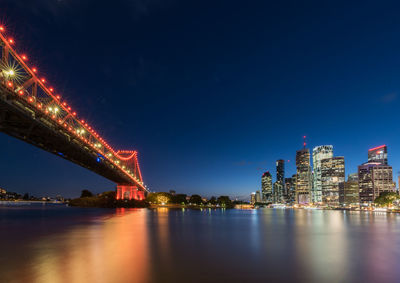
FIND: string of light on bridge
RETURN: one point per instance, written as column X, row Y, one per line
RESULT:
column 11, row 73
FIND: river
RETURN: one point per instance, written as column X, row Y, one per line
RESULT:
column 62, row 244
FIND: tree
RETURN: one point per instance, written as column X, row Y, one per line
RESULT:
column 213, row 200
column 86, row 194
column 386, row 198
column 159, row 198
column 179, row 199
column 224, row 201
column 196, row 199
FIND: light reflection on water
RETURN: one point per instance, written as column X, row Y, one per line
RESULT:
column 163, row 245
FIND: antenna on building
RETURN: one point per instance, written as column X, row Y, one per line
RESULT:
column 304, row 141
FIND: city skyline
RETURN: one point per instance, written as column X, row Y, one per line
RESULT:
column 178, row 105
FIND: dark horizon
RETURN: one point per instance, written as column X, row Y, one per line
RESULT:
column 210, row 94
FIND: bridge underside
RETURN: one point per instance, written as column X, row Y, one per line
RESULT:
column 18, row 120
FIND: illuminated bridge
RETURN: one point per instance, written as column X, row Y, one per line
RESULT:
column 32, row 111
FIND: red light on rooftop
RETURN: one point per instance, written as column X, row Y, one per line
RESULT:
column 378, row 147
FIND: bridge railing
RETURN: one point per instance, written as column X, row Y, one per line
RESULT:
column 23, row 81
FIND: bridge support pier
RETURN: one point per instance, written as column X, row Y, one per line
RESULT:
column 129, row 192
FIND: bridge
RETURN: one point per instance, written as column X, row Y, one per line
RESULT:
column 31, row 110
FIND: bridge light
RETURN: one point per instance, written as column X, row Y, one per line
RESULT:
column 21, row 92
column 24, row 57
column 10, row 72
column 74, row 113
column 58, row 97
column 51, row 89
column 34, row 70
column 10, row 84
column 11, row 41
column 2, row 28
column 43, row 80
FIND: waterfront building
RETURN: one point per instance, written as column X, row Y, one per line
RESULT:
column 375, row 176
column 258, row 197
column 303, row 176
column 378, row 154
column 290, row 184
column 348, row 191
column 319, row 153
column 253, row 198
column 279, row 185
column 332, row 174
column 280, row 171
column 266, row 187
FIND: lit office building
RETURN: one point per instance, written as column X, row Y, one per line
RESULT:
column 332, row 174
column 378, row 154
column 303, row 176
column 348, row 191
column 279, row 185
column 319, row 153
column 258, row 197
column 253, row 198
column 280, row 171
column 266, row 187
column 290, row 191
column 375, row 176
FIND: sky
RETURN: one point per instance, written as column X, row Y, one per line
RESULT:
column 210, row 93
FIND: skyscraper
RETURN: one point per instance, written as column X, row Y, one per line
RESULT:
column 375, row 176
column 266, row 187
column 280, row 171
column 319, row 153
column 332, row 174
column 348, row 191
column 378, row 154
column 303, row 176
column 290, row 184
column 279, row 185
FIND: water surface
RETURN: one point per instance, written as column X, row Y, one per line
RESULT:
column 61, row 244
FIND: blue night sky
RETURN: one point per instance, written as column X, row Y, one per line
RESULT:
column 210, row 93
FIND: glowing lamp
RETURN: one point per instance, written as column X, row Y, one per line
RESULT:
column 11, row 41
column 34, row 70
column 69, row 108
column 43, row 80
column 74, row 113
column 2, row 28
column 21, row 92
column 58, row 97
column 51, row 89
column 24, row 57
column 10, row 84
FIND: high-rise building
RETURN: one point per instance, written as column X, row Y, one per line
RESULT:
column 280, row 171
column 375, row 176
column 266, row 187
column 279, row 185
column 332, row 174
column 258, row 197
column 290, row 191
column 348, row 191
column 319, row 153
column 253, row 198
column 378, row 154
column 303, row 176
